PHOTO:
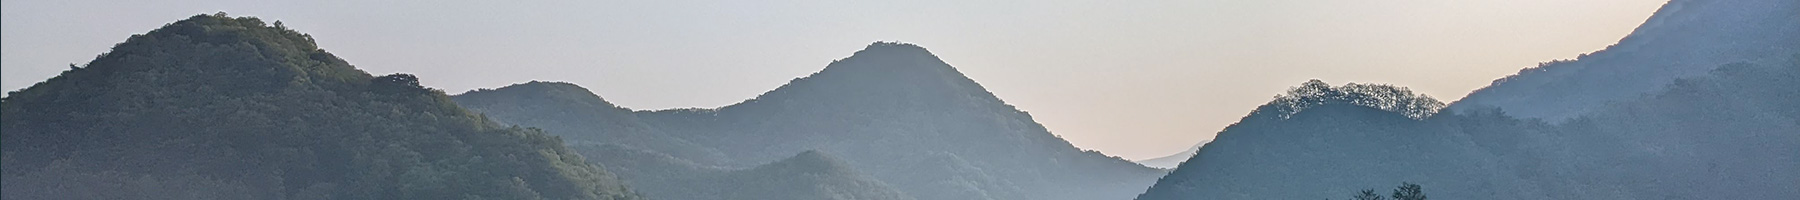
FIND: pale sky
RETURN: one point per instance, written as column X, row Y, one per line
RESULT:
column 1137, row 79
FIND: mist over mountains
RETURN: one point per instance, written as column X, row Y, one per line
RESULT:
column 892, row 110
column 1684, row 39
column 1698, row 103
column 1172, row 160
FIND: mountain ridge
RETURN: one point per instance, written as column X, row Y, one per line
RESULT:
column 892, row 106
column 219, row 107
column 1683, row 39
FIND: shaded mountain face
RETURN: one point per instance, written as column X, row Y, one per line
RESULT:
column 808, row 175
column 1170, row 161
column 906, row 118
column 216, row 107
column 1686, row 38
column 579, row 116
column 892, row 106
column 1728, row 135
column 1319, row 141
column 1734, row 134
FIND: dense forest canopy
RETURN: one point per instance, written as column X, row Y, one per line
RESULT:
column 1385, row 97
column 1732, row 130
column 219, row 107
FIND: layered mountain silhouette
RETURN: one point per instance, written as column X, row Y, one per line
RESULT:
column 218, row 107
column 1320, row 141
column 808, row 175
column 1683, row 39
column 892, row 110
column 1707, row 112
column 1170, row 161
column 664, row 166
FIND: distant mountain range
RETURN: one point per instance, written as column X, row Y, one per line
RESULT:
column 1170, row 161
column 893, row 111
column 1696, row 104
column 218, row 107
column 1684, row 39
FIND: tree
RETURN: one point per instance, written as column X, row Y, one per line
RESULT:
column 1390, row 98
column 1408, row 191
column 1368, row 194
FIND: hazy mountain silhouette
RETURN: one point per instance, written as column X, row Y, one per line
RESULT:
column 906, row 118
column 579, row 116
column 1725, row 131
column 1320, row 141
column 216, row 107
column 808, row 175
column 1170, row 161
column 1686, row 38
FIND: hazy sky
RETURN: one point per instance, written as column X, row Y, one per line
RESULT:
column 1137, row 79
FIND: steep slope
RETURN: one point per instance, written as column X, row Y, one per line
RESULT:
column 1686, row 38
column 893, row 105
column 1170, row 161
column 1734, row 134
column 809, row 175
column 906, row 118
column 578, row 116
column 820, row 176
column 1728, row 135
column 216, row 107
column 1319, row 141
column 660, row 165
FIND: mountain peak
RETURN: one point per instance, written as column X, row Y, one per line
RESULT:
column 541, row 91
column 221, row 29
column 1683, row 39
column 886, row 47
column 890, row 73
column 811, row 161
column 259, row 112
column 893, row 55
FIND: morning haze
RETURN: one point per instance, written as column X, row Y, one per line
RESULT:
column 1134, row 79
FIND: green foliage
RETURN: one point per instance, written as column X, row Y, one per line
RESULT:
column 1385, row 97
column 1368, row 194
column 1409, row 191
column 227, row 106
column 1406, row 191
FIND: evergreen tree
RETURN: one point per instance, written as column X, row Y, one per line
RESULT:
column 1408, row 191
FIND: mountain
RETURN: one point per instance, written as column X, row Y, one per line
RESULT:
column 1321, row 141
column 1170, row 161
column 1683, row 39
column 1726, row 135
column 578, row 116
column 660, row 165
column 217, row 107
column 808, row 175
column 897, row 113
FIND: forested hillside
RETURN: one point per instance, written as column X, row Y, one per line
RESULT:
column 1320, row 141
column 1698, row 103
column 218, row 107
column 1728, row 135
column 663, row 166
column 1683, row 39
column 806, row 176
column 892, row 110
